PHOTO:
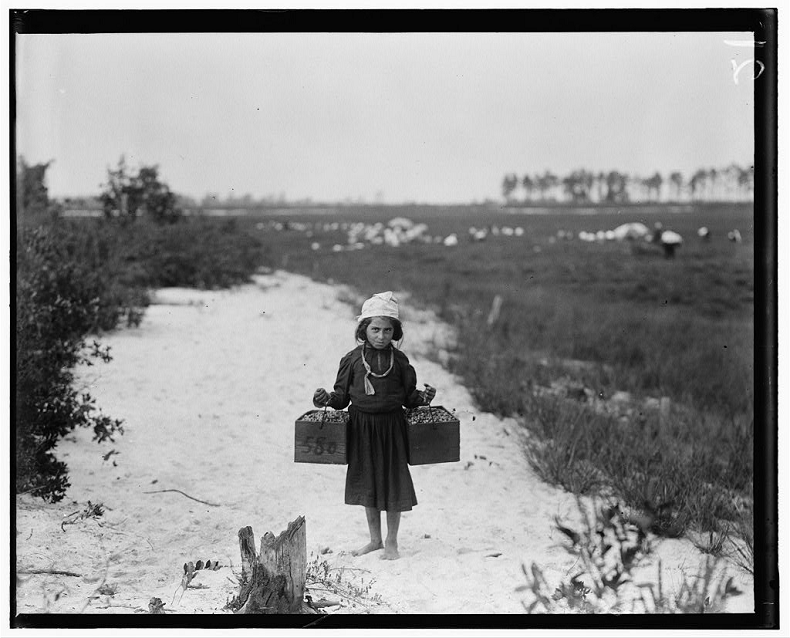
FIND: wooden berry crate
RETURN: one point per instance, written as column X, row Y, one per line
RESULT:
column 434, row 436
column 320, row 437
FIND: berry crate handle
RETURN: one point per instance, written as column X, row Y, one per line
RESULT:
column 430, row 411
column 323, row 416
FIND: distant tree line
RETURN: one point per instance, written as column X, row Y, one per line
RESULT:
column 732, row 183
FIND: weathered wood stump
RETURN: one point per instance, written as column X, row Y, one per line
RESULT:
column 273, row 580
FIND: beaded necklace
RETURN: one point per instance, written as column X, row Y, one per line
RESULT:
column 368, row 385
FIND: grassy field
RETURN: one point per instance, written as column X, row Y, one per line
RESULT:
column 680, row 327
column 632, row 373
column 612, row 317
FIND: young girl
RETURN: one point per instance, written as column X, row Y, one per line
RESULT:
column 377, row 379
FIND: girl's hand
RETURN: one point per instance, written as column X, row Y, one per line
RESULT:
column 429, row 393
column 320, row 398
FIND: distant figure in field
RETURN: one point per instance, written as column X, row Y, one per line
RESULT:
column 378, row 381
column 734, row 236
column 670, row 241
column 658, row 228
column 704, row 233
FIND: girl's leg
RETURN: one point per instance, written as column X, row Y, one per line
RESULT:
column 374, row 525
column 391, row 544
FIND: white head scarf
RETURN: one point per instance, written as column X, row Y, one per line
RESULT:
column 382, row 304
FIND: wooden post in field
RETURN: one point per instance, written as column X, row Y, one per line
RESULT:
column 273, row 580
column 496, row 307
column 663, row 412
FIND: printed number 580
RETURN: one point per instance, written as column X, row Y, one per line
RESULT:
column 319, row 447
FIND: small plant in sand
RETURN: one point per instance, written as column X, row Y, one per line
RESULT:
column 107, row 589
column 91, row 510
column 189, row 574
column 156, row 606
column 322, row 579
column 609, row 550
column 742, row 553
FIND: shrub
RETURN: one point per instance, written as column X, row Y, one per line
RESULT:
column 80, row 277
column 685, row 475
column 198, row 252
column 609, row 550
column 58, row 302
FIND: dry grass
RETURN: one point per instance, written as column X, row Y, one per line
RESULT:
column 609, row 547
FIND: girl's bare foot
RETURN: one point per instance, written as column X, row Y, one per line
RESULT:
column 390, row 552
column 372, row 546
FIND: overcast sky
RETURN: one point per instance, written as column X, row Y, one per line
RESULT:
column 426, row 117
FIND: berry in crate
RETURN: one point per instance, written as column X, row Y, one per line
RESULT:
column 430, row 415
column 328, row 416
column 320, row 437
column 433, row 435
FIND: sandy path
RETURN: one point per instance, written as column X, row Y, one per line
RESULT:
column 209, row 387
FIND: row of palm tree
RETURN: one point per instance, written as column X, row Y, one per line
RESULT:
column 732, row 183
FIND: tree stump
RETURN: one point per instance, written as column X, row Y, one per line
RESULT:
column 273, row 580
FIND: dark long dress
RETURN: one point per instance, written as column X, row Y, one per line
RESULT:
column 377, row 449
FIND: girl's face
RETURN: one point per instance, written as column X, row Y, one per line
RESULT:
column 379, row 332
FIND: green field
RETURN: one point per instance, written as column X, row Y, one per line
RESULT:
column 592, row 338
column 611, row 317
column 681, row 327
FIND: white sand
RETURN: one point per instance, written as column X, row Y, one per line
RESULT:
column 209, row 387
